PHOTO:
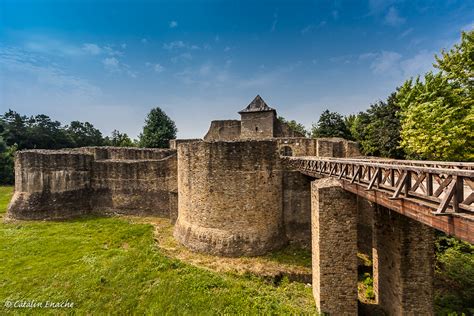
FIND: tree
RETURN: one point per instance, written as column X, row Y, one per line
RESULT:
column 437, row 113
column 330, row 124
column 159, row 129
column 119, row 140
column 6, row 163
column 378, row 129
column 84, row 134
column 294, row 126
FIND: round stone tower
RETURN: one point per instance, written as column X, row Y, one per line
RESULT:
column 230, row 197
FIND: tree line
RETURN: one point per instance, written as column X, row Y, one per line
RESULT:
column 18, row 132
column 430, row 117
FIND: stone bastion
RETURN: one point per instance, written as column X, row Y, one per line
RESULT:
column 228, row 198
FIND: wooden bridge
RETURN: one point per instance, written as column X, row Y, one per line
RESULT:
column 438, row 194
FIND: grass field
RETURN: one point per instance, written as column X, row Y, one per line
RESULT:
column 110, row 265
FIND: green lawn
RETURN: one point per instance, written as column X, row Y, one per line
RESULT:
column 109, row 265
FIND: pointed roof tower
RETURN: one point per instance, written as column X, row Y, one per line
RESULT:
column 257, row 105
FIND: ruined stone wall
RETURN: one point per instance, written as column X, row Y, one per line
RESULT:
column 297, row 207
column 139, row 187
column 230, row 197
column 257, row 125
column 300, row 146
column 174, row 142
column 51, row 184
column 56, row 184
column 224, row 130
column 336, row 147
column 321, row 147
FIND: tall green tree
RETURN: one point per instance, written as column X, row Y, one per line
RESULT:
column 378, row 129
column 294, row 126
column 331, row 124
column 84, row 134
column 437, row 113
column 159, row 129
column 119, row 139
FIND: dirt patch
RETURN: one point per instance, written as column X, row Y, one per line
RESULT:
column 272, row 267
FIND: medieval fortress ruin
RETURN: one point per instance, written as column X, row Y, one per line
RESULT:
column 230, row 194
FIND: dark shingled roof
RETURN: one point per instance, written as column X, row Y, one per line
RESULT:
column 257, row 105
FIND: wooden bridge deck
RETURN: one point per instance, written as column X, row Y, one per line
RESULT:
column 438, row 194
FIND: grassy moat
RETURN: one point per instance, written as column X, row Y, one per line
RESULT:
column 133, row 265
column 117, row 266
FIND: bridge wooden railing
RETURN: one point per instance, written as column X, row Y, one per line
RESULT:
column 444, row 188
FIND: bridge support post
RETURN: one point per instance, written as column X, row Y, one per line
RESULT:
column 334, row 247
column 403, row 258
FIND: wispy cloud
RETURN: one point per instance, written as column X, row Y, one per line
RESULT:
column 393, row 17
column 92, row 49
column 155, row 66
column 182, row 57
column 96, row 49
column 174, row 45
column 47, row 74
column 275, row 22
column 335, row 14
column 113, row 65
column 173, row 24
column 311, row 27
column 386, row 63
column 405, row 33
column 144, row 40
column 393, row 64
column 468, row 27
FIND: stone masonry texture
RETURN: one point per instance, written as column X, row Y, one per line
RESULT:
column 230, row 197
column 67, row 183
column 334, row 247
column 403, row 259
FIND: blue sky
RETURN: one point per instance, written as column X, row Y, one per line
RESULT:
column 110, row 62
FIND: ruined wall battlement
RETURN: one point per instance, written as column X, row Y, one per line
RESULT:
column 58, row 184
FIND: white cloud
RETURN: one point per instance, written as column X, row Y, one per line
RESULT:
column 182, row 57
column 45, row 73
column 156, row 67
column 386, row 63
column 468, row 27
column 393, row 64
column 173, row 24
column 123, row 45
column 144, row 41
column 174, row 45
column 376, row 6
column 419, row 64
column 393, row 18
column 226, row 49
column 92, row 49
column 335, row 14
column 111, row 63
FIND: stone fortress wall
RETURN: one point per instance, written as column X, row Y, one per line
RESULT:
column 59, row 184
column 229, row 193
